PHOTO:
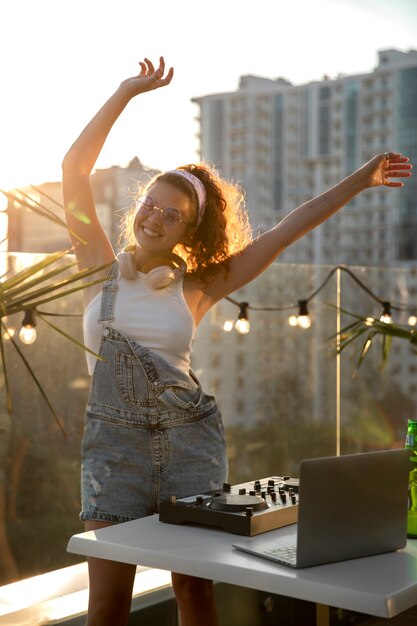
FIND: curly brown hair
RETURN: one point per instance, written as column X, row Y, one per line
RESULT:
column 224, row 230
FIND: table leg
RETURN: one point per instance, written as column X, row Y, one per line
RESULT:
column 322, row 615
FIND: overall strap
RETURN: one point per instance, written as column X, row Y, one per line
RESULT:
column 108, row 294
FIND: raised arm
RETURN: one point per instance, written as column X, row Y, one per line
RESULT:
column 81, row 157
column 268, row 246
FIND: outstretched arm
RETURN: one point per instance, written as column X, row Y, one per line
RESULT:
column 81, row 157
column 268, row 246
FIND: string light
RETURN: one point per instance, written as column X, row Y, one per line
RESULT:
column 293, row 320
column 27, row 333
column 386, row 316
column 243, row 325
column 303, row 320
column 9, row 331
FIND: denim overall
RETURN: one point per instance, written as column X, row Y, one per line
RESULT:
column 151, row 431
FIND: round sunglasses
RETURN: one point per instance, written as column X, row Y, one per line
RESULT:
column 171, row 216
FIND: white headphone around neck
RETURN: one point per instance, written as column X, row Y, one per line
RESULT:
column 159, row 277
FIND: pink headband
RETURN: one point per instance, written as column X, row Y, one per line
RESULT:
column 198, row 188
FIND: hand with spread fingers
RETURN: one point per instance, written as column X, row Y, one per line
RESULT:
column 383, row 167
column 148, row 78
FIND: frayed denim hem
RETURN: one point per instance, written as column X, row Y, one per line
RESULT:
column 100, row 516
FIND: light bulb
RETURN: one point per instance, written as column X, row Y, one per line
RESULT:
column 386, row 313
column 369, row 321
column 304, row 321
column 27, row 334
column 387, row 319
column 412, row 320
column 242, row 326
column 228, row 325
column 9, row 333
column 293, row 320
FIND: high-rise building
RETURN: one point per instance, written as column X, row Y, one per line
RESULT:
column 287, row 143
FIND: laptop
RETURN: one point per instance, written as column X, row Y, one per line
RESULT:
column 350, row 506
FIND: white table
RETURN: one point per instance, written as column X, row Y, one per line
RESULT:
column 382, row 585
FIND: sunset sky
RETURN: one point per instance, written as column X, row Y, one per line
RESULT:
column 60, row 60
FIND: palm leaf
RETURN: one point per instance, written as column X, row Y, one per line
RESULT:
column 30, row 203
column 82, row 217
column 3, row 360
column 35, row 206
column 345, row 329
column 365, row 348
column 36, row 303
column 33, row 298
column 30, row 271
column 350, row 338
column 387, row 331
column 39, row 386
column 38, row 293
column 33, row 280
column 77, row 343
column 39, row 284
column 386, row 346
column 19, row 293
column 36, row 280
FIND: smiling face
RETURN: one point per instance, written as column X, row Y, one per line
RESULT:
column 152, row 234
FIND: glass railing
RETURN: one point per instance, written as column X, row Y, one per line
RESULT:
column 283, row 392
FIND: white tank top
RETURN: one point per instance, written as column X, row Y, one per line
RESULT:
column 158, row 319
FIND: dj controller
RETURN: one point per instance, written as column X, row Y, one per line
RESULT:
column 246, row 509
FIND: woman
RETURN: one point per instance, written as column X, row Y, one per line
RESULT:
column 150, row 429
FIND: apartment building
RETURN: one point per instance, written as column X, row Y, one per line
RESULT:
column 286, row 143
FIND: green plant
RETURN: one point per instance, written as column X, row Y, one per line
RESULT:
column 32, row 287
column 367, row 329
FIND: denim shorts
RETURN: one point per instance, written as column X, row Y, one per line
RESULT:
column 150, row 433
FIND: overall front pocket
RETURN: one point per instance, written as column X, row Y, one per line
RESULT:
column 181, row 396
column 132, row 382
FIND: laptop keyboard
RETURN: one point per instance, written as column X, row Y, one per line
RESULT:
column 287, row 553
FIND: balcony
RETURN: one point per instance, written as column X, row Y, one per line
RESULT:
column 284, row 393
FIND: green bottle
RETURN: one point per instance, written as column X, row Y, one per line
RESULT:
column 411, row 444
